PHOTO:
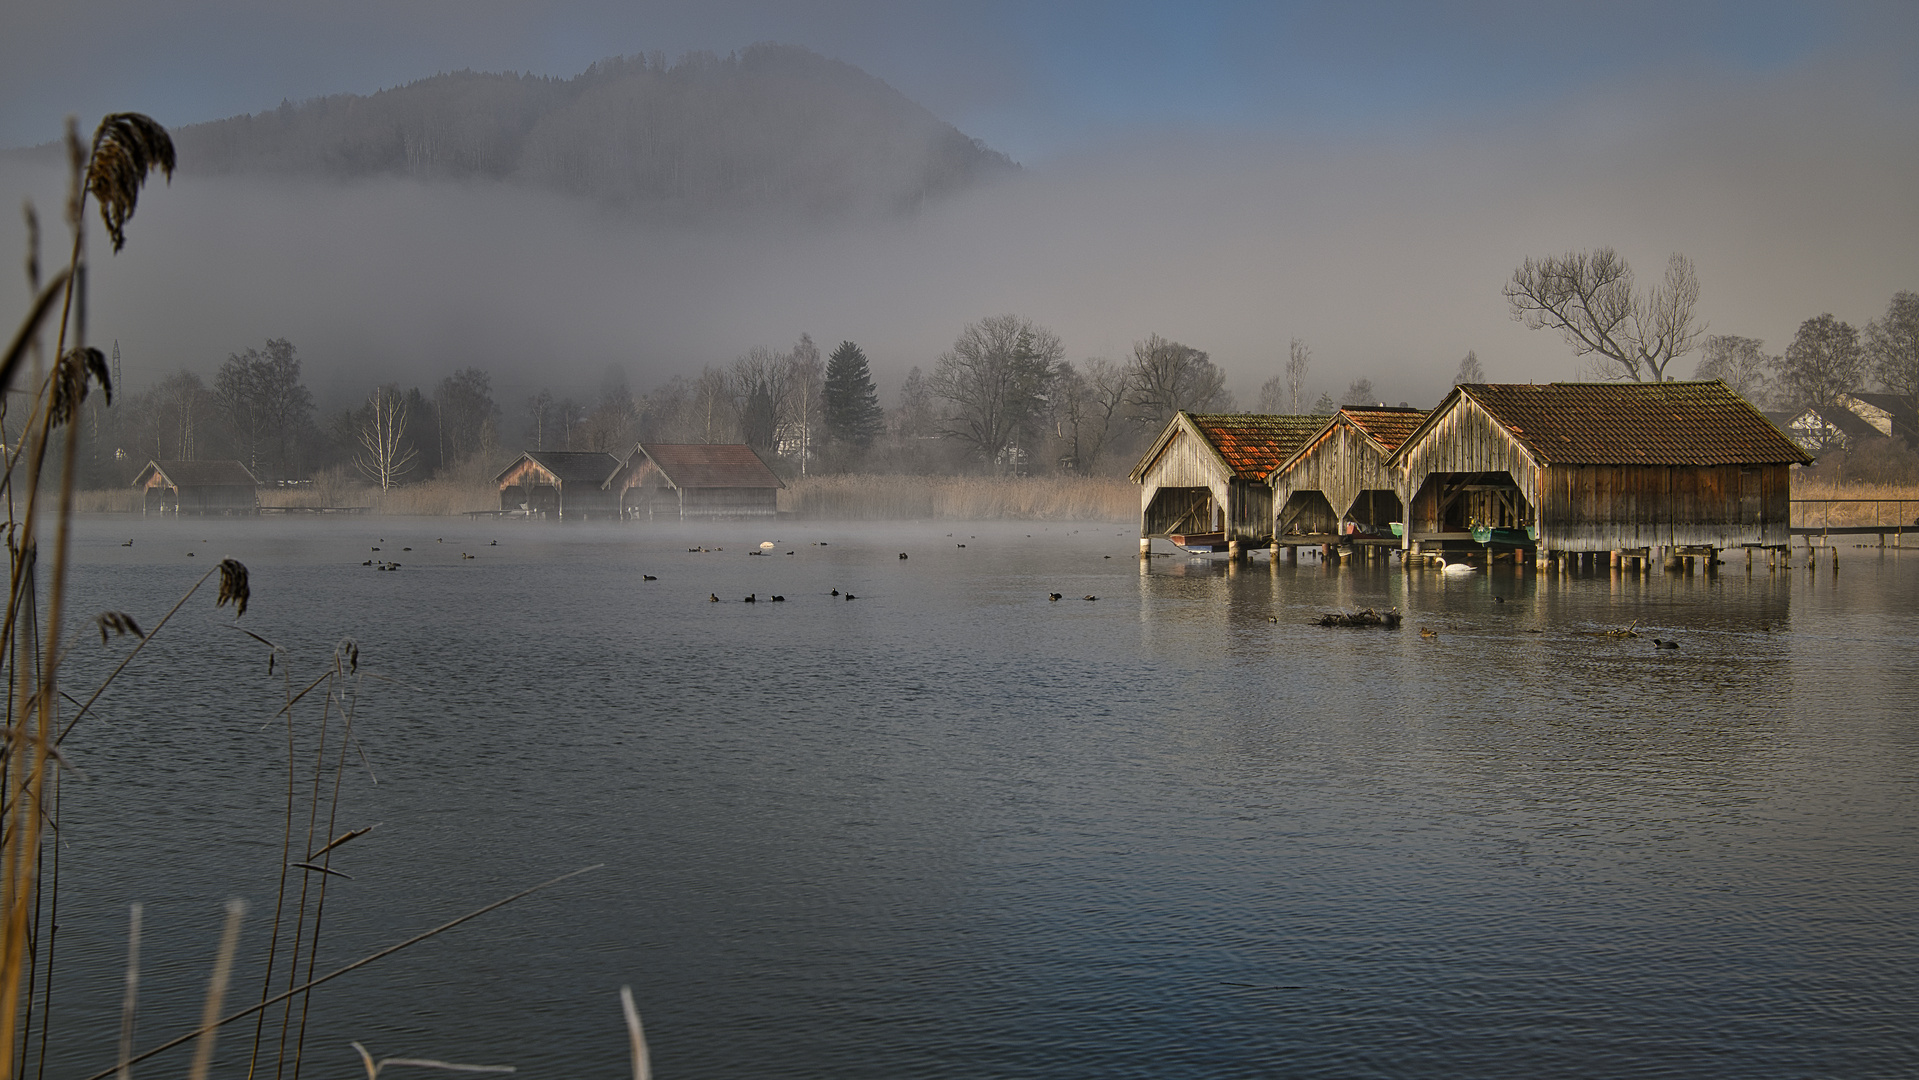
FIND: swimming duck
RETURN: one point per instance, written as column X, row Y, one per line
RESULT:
column 750, row 598
column 713, row 597
column 1658, row 643
column 779, row 599
column 1054, row 596
column 648, row 577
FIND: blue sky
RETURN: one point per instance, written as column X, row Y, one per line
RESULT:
column 1031, row 78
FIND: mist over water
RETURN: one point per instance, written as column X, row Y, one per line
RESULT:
column 954, row 829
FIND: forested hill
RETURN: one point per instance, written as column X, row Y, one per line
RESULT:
column 774, row 127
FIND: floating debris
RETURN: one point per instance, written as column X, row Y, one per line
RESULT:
column 1390, row 619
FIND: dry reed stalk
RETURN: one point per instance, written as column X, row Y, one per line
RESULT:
column 217, row 991
column 373, row 1067
column 126, row 148
column 128, row 1004
column 636, row 1035
column 337, row 972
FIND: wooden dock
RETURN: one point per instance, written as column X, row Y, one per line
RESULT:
column 315, row 509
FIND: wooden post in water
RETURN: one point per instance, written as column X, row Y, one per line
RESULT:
column 1145, row 547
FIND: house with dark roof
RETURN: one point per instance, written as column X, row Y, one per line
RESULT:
column 1573, row 468
column 1338, row 485
column 562, row 484
column 197, row 487
column 1855, row 419
column 696, row 480
column 1203, row 480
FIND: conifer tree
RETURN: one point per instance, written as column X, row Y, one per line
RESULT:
column 853, row 414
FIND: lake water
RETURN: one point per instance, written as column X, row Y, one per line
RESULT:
column 954, row 829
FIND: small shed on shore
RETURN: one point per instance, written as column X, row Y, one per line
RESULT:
column 197, row 487
column 1592, row 467
column 1204, row 478
column 696, row 480
column 1338, row 483
column 567, row 484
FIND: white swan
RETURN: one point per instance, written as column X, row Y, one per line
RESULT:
column 1456, row 568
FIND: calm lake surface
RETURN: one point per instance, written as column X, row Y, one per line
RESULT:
column 952, row 829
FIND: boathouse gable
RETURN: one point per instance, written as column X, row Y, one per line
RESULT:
column 566, row 484
column 697, row 480
column 197, row 487
column 1206, row 474
column 1341, row 475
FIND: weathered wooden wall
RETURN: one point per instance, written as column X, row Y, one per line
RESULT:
column 1605, row 507
column 1187, row 462
column 162, row 498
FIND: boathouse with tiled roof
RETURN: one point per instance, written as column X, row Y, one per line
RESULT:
column 1203, row 480
column 1574, row 468
column 197, row 487
column 1337, row 485
column 561, row 484
column 697, row 480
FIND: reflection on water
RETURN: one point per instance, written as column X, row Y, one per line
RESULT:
column 956, row 829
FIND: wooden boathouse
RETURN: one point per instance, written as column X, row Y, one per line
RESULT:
column 565, row 484
column 1203, row 481
column 696, row 480
column 1578, row 469
column 1337, row 488
column 197, row 487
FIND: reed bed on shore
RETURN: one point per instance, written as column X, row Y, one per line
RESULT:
column 968, row 498
column 1852, row 504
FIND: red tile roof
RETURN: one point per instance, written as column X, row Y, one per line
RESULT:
column 1387, row 425
column 1253, row 444
column 710, row 465
column 1670, row 423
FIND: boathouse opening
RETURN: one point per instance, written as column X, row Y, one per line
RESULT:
column 1182, row 510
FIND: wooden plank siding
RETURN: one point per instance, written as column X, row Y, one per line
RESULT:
column 1187, row 463
column 1341, row 465
column 1608, row 507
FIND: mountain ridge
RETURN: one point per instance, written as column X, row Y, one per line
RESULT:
column 772, row 126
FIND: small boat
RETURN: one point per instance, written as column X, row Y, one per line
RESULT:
column 1200, row 543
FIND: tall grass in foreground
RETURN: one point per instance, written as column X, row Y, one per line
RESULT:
column 969, row 498
column 34, row 639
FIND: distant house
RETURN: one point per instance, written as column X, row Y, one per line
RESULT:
column 197, row 487
column 1595, row 467
column 1853, row 420
column 1204, row 479
column 565, row 484
column 1338, row 482
column 696, row 480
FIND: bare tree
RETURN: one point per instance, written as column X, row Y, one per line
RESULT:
column 1893, row 344
column 1359, row 392
column 385, row 455
column 715, row 414
column 1167, row 377
column 1823, row 362
column 268, row 408
column 1741, row 363
column 1469, row 370
column 1298, row 358
column 539, row 409
column 1591, row 300
column 805, row 379
column 468, row 416
column 995, row 379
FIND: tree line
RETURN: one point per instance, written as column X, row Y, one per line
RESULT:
column 1620, row 330
column 1003, row 399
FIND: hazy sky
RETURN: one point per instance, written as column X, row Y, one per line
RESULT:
column 1364, row 176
